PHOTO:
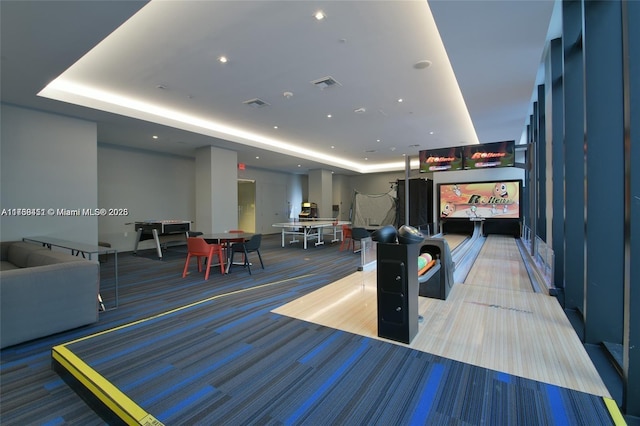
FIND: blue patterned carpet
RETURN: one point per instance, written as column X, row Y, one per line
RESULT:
column 195, row 352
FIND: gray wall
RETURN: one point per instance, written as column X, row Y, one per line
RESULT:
column 149, row 185
column 47, row 162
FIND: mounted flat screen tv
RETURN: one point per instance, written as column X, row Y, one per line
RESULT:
column 488, row 155
column 441, row 159
column 480, row 200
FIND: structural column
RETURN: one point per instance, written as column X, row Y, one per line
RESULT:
column 555, row 136
column 604, row 131
column 574, row 160
column 321, row 191
column 541, row 155
column 631, row 70
column 216, row 190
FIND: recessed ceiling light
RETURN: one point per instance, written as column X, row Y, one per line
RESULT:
column 333, row 147
column 329, row 115
column 257, row 157
column 275, row 127
column 154, row 136
column 377, row 140
column 431, row 133
column 299, row 165
column 319, row 15
column 223, row 59
column 400, row 100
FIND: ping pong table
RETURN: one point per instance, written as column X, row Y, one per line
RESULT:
column 310, row 230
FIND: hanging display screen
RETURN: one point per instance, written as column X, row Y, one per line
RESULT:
column 441, row 160
column 489, row 155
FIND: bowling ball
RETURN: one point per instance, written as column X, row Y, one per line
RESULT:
column 422, row 262
column 386, row 234
column 409, row 235
column 427, row 257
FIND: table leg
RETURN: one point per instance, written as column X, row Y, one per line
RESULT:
column 115, row 263
column 157, row 240
column 305, row 231
column 139, row 235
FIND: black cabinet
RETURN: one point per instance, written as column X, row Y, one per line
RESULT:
column 397, row 282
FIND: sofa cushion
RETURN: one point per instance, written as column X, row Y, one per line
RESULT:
column 18, row 253
column 49, row 257
column 7, row 266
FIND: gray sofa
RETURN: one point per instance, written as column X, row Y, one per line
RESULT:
column 43, row 292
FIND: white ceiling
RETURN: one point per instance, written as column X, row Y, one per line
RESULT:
column 140, row 69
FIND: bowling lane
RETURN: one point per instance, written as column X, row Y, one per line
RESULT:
column 454, row 240
column 499, row 265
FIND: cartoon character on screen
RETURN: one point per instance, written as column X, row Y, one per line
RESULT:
column 448, row 209
column 457, row 191
column 500, row 190
column 473, row 211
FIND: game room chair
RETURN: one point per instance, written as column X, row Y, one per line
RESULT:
column 347, row 239
column 358, row 234
column 250, row 246
column 198, row 247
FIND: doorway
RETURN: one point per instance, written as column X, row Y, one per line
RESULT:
column 247, row 205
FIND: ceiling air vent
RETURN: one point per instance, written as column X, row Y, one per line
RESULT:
column 255, row 102
column 325, row 82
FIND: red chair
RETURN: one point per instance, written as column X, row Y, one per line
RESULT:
column 198, row 247
column 346, row 235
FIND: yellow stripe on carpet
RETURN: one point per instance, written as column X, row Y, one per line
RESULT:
column 614, row 412
column 114, row 399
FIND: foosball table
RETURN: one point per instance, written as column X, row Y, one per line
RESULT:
column 154, row 229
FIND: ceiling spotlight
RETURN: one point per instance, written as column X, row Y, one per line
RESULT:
column 287, row 95
column 400, row 100
column 329, row 116
column 223, row 59
column 257, row 157
column 275, row 127
column 154, row 136
column 319, row 15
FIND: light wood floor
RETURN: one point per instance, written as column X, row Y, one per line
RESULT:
column 514, row 331
column 454, row 240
